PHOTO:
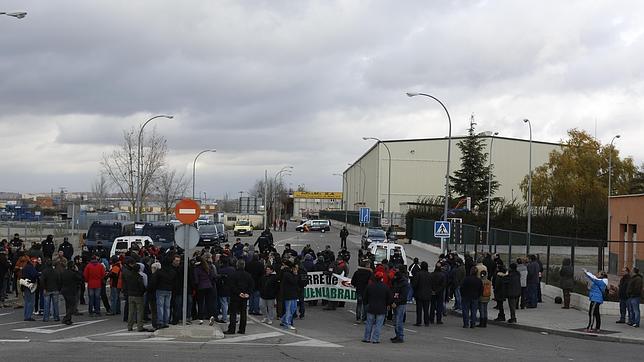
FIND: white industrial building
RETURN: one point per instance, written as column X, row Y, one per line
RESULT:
column 418, row 170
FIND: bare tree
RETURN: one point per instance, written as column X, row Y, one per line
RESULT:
column 100, row 192
column 170, row 186
column 121, row 165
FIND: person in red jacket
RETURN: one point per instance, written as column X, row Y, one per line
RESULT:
column 94, row 273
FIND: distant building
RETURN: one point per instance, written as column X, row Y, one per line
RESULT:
column 627, row 216
column 306, row 203
column 418, row 170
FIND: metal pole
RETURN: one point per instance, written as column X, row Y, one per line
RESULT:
column 265, row 198
column 194, row 166
column 185, row 278
column 346, row 209
column 608, row 216
column 527, row 248
column 449, row 149
column 489, row 190
column 138, row 200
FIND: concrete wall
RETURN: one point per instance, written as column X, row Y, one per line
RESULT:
column 418, row 169
column 627, row 218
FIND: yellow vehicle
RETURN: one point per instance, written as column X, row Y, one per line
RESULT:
column 243, row 227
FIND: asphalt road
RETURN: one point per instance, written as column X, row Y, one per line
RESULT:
column 322, row 335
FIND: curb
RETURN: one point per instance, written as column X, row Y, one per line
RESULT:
column 565, row 333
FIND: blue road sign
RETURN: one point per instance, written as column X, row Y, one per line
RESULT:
column 442, row 229
column 365, row 215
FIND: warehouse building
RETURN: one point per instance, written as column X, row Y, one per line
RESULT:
column 418, row 170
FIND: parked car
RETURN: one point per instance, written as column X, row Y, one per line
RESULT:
column 314, row 225
column 373, row 235
column 243, row 227
column 208, row 235
column 123, row 243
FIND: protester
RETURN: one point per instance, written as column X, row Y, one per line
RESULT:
column 164, row 280
column 28, row 280
column 533, row 282
column 268, row 288
column 485, row 297
column 115, row 291
column 377, row 297
column 344, row 233
column 50, row 281
column 512, row 284
column 438, row 286
column 634, row 294
column 623, row 296
column 241, row 286
column 71, row 280
column 471, row 291
column 422, row 285
column 360, row 280
column 67, row 248
column 599, row 283
column 523, row 272
column 134, row 285
column 94, row 273
column 288, row 292
column 400, row 292
column 566, row 281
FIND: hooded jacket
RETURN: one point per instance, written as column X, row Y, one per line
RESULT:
column 93, row 274
column 566, row 275
column 635, row 286
column 596, row 293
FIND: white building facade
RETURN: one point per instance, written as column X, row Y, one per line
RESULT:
column 418, row 170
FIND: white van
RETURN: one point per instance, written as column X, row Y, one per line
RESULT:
column 123, row 243
column 382, row 251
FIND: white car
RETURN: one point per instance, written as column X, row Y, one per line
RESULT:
column 382, row 251
column 123, row 243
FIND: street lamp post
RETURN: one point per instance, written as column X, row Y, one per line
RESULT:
column 449, row 149
column 389, row 176
column 489, row 185
column 17, row 14
column 344, row 205
column 275, row 192
column 527, row 246
column 138, row 202
column 194, row 167
column 610, row 172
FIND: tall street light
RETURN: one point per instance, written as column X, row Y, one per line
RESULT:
column 285, row 169
column 194, row 167
column 449, row 149
column 138, row 202
column 17, row 14
column 527, row 246
column 344, row 205
column 610, row 171
column 489, row 184
column 389, row 181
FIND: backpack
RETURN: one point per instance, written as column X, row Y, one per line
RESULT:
column 487, row 289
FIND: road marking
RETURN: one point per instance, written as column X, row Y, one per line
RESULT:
column 49, row 329
column 3, row 314
column 14, row 340
column 129, row 334
column 250, row 337
column 312, row 340
column 313, row 343
column 159, row 339
column 6, row 324
column 480, row 344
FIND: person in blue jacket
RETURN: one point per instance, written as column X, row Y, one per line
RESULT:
column 596, row 296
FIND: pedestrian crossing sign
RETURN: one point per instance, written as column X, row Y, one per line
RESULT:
column 442, row 229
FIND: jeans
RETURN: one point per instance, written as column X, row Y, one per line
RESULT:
column 469, row 311
column 483, row 310
column 29, row 302
column 437, row 308
column 178, row 307
column 457, row 298
column 290, row 308
column 267, row 307
column 115, row 300
column 399, row 318
column 634, row 310
column 254, row 302
column 163, row 307
column 361, row 309
column 373, row 326
column 51, row 300
column 623, row 307
column 223, row 303
column 532, row 291
column 94, row 305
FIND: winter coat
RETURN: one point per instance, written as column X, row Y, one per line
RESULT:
column 223, row 285
column 523, row 272
column 400, row 290
column 438, row 282
column 596, row 293
column 512, row 283
column 50, row 280
column 48, row 247
column 458, row 274
column 94, row 273
column 240, row 282
column 67, row 249
column 268, row 286
column 566, row 276
column 133, row 284
column 623, row 286
column 204, row 279
column 635, row 286
column 288, row 285
column 164, row 278
column 377, row 297
column 472, row 287
column 533, row 272
column 360, row 279
column 70, row 281
column 422, row 284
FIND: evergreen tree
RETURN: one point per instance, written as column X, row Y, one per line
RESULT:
column 472, row 179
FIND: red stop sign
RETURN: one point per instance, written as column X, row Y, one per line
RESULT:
column 187, row 211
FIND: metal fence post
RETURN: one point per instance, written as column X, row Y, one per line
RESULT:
column 572, row 254
column 548, row 260
column 509, row 248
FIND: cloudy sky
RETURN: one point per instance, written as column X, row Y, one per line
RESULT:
column 271, row 83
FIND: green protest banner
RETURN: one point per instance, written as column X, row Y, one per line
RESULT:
column 329, row 287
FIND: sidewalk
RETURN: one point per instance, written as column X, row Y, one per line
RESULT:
column 548, row 317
